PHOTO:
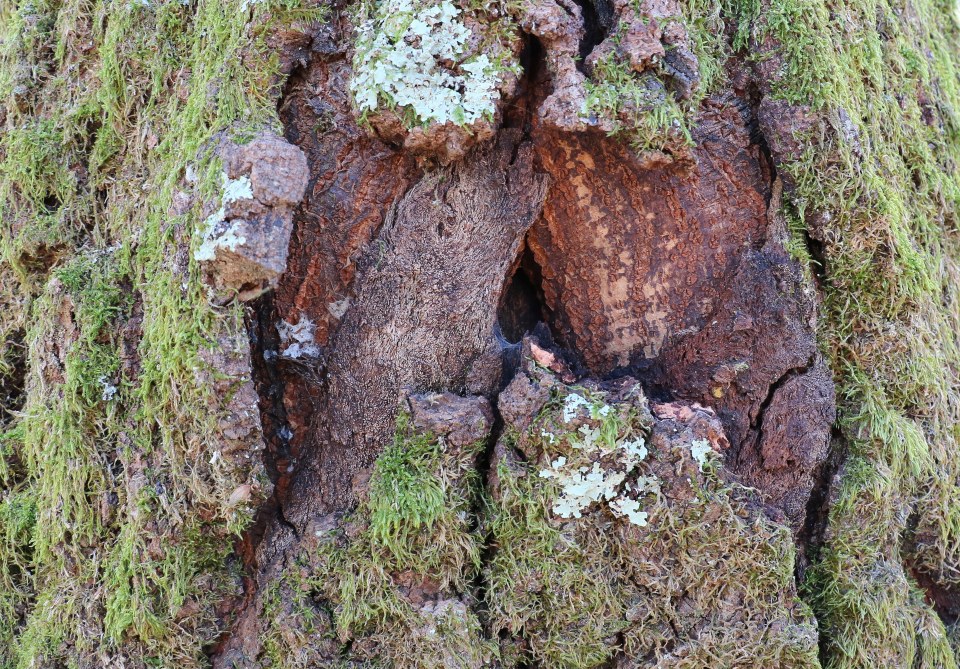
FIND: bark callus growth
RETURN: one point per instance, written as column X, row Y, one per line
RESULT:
column 642, row 239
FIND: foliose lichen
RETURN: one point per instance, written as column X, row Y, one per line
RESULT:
column 401, row 50
column 431, row 73
column 597, row 468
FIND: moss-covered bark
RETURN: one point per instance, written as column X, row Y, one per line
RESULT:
column 121, row 499
column 180, row 486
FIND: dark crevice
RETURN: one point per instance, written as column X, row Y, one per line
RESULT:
column 816, row 508
column 597, row 22
column 811, row 535
column 749, row 111
column 944, row 599
column 519, row 113
column 270, row 372
column 818, row 265
column 40, row 259
column 522, row 304
column 814, row 247
column 479, row 585
column 285, row 522
column 13, row 374
column 269, row 380
column 51, row 204
column 816, row 505
column 757, row 422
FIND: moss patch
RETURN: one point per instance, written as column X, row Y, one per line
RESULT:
column 118, row 507
column 400, row 587
column 392, row 583
column 706, row 581
column 655, row 108
column 876, row 182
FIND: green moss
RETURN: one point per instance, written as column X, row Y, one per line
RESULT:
column 412, row 534
column 878, row 184
column 392, row 583
column 414, row 499
column 38, row 191
column 641, row 106
column 548, row 588
column 708, row 581
column 18, row 515
column 105, row 105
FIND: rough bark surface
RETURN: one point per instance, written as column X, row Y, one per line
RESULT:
column 673, row 272
column 424, row 314
column 631, row 343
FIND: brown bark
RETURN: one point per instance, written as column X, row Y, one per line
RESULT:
column 673, row 273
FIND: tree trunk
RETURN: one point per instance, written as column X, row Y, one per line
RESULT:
column 458, row 333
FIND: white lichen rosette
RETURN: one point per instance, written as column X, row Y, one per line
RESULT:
column 430, row 75
column 597, row 469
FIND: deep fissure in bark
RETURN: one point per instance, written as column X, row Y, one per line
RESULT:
column 811, row 536
column 269, row 376
column 522, row 306
column 944, row 599
column 597, row 22
column 939, row 593
column 757, row 422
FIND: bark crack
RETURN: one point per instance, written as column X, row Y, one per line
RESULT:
column 597, row 17
column 793, row 372
column 13, row 379
column 279, row 458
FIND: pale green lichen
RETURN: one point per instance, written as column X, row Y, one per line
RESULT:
column 593, row 468
column 404, row 52
column 699, row 450
column 229, row 238
column 234, row 190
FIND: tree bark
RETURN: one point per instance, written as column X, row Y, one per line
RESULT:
column 417, row 333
